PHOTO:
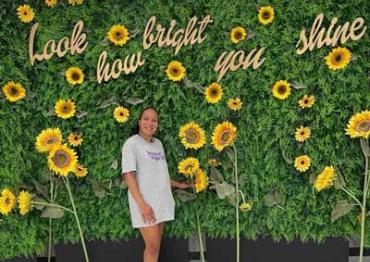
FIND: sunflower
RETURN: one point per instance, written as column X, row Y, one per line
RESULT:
column 175, row 71
column 213, row 162
column 238, row 34
column 359, row 125
column 245, row 207
column 25, row 13
column 213, row 93
column 121, row 114
column 75, row 139
column 281, row 89
column 201, row 181
column 80, row 171
column 302, row 133
column 223, row 135
column 192, row 136
column 325, row 179
column 338, row 58
column 50, row 3
column 47, row 139
column 7, row 201
column 188, row 166
column 302, row 163
column 65, row 108
column 306, row 101
column 75, row 2
column 14, row 91
column 266, row 15
column 62, row 160
column 235, row 104
column 74, row 75
column 118, row 35
column 24, row 201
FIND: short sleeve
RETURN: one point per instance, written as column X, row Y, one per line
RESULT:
column 128, row 157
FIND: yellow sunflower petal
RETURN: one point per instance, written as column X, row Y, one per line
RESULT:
column 65, row 108
column 75, row 139
column 62, row 160
column 188, row 166
column 266, row 15
column 213, row 93
column 74, row 75
column 13, row 91
column 306, row 101
column 238, row 34
column 235, row 104
column 359, row 125
column 223, row 135
column 192, row 136
column 25, row 13
column 50, row 3
column 325, row 179
column 338, row 58
column 121, row 114
column 201, row 181
column 47, row 139
column 281, row 89
column 80, row 171
column 24, row 201
column 75, row 2
column 175, row 71
column 302, row 163
column 302, row 134
column 118, row 35
column 7, row 201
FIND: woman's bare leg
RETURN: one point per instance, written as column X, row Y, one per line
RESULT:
column 152, row 237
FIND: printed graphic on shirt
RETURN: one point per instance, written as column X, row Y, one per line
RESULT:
column 155, row 155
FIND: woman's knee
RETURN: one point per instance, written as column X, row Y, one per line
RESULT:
column 153, row 248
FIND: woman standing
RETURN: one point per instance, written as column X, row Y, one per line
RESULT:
column 144, row 168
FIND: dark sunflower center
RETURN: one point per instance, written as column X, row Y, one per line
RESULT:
column 65, row 108
column 235, row 103
column 7, row 201
column 76, row 138
column 303, row 162
column 266, row 15
column 306, row 101
column 363, row 126
column 118, row 35
column 13, row 91
column 75, row 76
column 51, row 140
column 25, row 12
column 175, row 71
column 302, row 133
column 281, row 90
column 214, row 92
column 192, row 136
column 61, row 159
column 188, row 168
column 121, row 114
column 338, row 58
column 225, row 136
column 238, row 35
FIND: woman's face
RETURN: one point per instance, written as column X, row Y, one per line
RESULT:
column 148, row 123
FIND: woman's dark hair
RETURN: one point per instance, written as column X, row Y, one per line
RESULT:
column 135, row 131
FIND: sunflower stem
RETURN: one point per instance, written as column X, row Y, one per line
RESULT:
column 198, row 228
column 50, row 221
column 237, row 204
column 363, row 208
column 66, row 182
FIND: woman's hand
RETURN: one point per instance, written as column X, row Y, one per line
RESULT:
column 147, row 213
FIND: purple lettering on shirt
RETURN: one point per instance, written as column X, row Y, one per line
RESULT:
column 155, row 155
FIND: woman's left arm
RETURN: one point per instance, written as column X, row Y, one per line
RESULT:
column 180, row 185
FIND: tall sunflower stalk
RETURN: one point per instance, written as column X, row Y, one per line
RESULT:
column 235, row 162
column 359, row 127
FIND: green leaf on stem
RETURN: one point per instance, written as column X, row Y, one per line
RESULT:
column 223, row 189
column 215, row 175
column 185, row 196
column 52, row 212
column 339, row 181
column 341, row 208
column 365, row 147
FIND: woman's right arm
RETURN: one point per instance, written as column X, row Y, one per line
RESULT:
column 146, row 210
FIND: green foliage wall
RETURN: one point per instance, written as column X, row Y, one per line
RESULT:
column 265, row 128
